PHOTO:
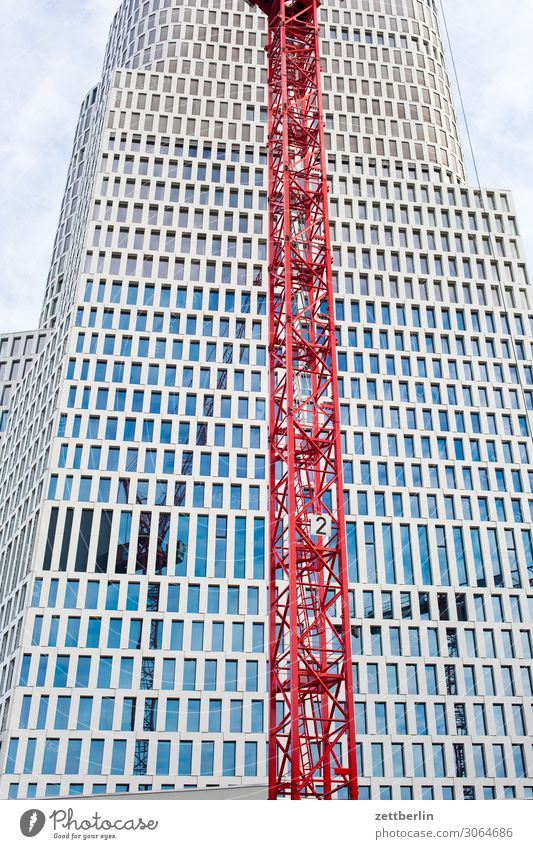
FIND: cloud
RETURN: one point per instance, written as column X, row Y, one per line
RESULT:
column 52, row 55
column 491, row 41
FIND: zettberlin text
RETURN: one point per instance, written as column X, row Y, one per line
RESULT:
column 399, row 815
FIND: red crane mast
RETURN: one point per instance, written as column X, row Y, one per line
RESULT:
column 311, row 718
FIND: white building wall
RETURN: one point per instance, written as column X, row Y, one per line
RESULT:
column 17, row 351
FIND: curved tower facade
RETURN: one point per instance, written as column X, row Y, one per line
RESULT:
column 133, row 480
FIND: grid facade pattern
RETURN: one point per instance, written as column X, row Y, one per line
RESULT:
column 17, row 351
column 134, row 611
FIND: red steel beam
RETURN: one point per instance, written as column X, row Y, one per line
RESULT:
column 312, row 750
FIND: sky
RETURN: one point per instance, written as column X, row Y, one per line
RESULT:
column 51, row 53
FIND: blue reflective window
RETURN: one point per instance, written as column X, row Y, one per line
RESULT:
column 253, row 601
column 257, row 717
column 12, row 756
column 72, row 763
column 460, row 556
column 207, row 757
column 83, row 671
column 217, row 636
column 425, row 562
column 240, row 547
column 231, row 676
column 173, row 598
column 193, row 715
column 193, row 599
column 163, row 758
column 73, row 631
column 189, row 675
column 29, row 759
column 113, row 589
column 61, row 671
column 351, row 545
column 172, row 714
column 25, row 712
column 115, row 632
column 96, row 754
column 210, row 675
column 258, row 637
column 370, row 551
column 215, row 715
column 233, row 599
column 197, row 636
column 71, row 594
column 250, row 758
column 51, row 749
column 252, row 671
column 228, row 758
column 220, row 551
column 135, row 635
column 176, row 635
column 494, row 549
column 182, row 545
column 107, row 710
column 25, row 670
column 126, row 673
column 36, row 595
column 93, row 632
column 202, row 530
column 41, row 670
column 213, row 599
column 185, row 758
column 388, row 552
column 62, row 712
column 259, row 549
column 169, row 673
column 85, row 712
column 118, row 757
column 235, row 717
column 132, row 598
column 237, row 636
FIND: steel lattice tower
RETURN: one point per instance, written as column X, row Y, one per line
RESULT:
column 312, row 731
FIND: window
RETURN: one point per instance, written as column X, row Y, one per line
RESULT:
column 51, row 750
column 189, row 674
column 207, row 755
column 228, row 758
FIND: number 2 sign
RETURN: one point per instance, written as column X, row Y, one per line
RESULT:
column 320, row 525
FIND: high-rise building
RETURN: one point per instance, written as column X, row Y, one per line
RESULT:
column 133, row 482
column 17, row 351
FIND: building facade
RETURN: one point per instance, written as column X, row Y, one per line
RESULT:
column 17, row 351
column 133, row 482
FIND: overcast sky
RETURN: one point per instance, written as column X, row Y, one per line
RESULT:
column 51, row 53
